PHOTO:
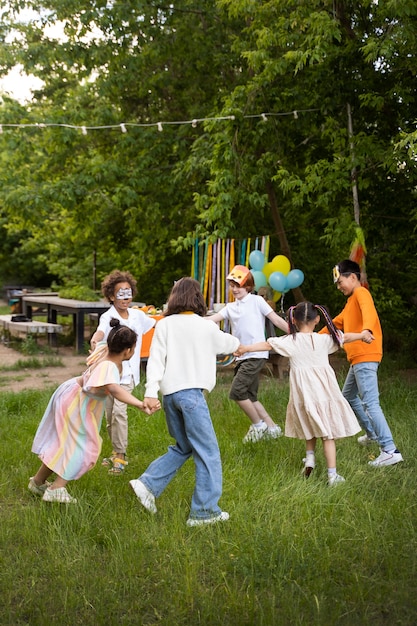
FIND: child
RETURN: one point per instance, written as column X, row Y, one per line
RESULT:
column 316, row 406
column 247, row 315
column 182, row 364
column 119, row 289
column 361, row 384
column 68, row 438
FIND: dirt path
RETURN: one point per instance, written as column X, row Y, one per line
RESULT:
column 42, row 378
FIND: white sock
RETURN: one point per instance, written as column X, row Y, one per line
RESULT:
column 259, row 424
column 331, row 470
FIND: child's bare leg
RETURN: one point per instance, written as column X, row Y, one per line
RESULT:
column 248, row 407
column 59, row 482
column 42, row 474
column 311, row 445
column 263, row 414
column 256, row 412
column 329, row 448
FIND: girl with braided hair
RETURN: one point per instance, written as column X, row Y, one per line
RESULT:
column 316, row 407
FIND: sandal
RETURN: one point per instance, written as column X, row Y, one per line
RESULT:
column 118, row 466
column 108, row 461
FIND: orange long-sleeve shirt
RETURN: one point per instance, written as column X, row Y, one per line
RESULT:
column 360, row 314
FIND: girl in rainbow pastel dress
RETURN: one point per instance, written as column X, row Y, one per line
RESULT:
column 68, row 438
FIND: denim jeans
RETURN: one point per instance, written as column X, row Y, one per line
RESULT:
column 361, row 391
column 189, row 423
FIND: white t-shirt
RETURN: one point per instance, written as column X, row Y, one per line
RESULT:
column 247, row 319
column 140, row 323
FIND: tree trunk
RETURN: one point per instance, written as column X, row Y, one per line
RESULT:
column 282, row 237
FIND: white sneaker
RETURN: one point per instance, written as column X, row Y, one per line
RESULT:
column 146, row 497
column 335, row 479
column 309, row 465
column 58, row 495
column 274, row 433
column 364, row 440
column 387, row 458
column 38, row 490
column 255, row 433
column 220, row 517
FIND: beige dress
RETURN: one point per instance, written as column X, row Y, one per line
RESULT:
column 316, row 407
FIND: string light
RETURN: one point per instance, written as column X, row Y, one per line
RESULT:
column 123, row 125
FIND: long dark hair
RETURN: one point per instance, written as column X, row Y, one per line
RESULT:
column 120, row 337
column 186, row 296
column 305, row 312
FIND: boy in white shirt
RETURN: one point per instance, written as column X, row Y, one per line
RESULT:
column 247, row 315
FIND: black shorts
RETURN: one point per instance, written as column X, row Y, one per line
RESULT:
column 246, row 379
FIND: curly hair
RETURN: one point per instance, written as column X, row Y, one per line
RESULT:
column 109, row 283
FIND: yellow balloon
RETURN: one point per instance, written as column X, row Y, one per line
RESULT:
column 267, row 269
column 276, row 296
column 280, row 263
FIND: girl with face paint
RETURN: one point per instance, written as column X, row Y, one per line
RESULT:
column 119, row 288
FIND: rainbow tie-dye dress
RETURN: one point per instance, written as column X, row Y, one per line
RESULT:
column 68, row 438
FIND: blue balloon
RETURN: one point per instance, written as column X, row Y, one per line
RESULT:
column 256, row 260
column 295, row 278
column 259, row 278
column 278, row 281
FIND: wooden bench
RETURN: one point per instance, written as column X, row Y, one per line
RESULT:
column 32, row 327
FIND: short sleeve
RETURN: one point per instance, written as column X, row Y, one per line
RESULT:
column 105, row 373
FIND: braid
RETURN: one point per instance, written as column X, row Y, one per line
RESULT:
column 291, row 322
column 304, row 312
column 329, row 323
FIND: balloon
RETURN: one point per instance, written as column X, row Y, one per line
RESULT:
column 280, row 263
column 268, row 269
column 278, row 281
column 256, row 260
column 259, row 278
column 276, row 296
column 295, row 278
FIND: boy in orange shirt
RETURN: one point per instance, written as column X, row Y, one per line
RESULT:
column 361, row 384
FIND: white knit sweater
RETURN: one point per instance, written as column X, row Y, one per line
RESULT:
column 183, row 354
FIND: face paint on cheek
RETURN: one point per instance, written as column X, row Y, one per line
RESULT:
column 124, row 294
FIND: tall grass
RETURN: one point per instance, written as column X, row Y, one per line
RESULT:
column 294, row 552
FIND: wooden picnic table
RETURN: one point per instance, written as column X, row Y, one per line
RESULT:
column 77, row 308
column 30, row 327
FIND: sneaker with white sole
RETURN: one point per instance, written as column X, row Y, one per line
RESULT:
column 309, row 465
column 220, row 517
column 58, row 495
column 255, row 433
column 387, row 458
column 364, row 440
column 145, row 497
column 335, row 479
column 38, row 490
column 274, row 433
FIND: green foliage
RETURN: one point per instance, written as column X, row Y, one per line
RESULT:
column 74, row 207
column 79, row 292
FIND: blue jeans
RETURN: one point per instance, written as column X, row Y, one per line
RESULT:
column 189, row 423
column 361, row 391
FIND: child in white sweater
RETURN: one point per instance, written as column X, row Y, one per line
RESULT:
column 182, row 365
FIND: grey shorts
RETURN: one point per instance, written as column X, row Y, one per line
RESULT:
column 246, row 380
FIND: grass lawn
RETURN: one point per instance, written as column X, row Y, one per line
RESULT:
column 294, row 552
